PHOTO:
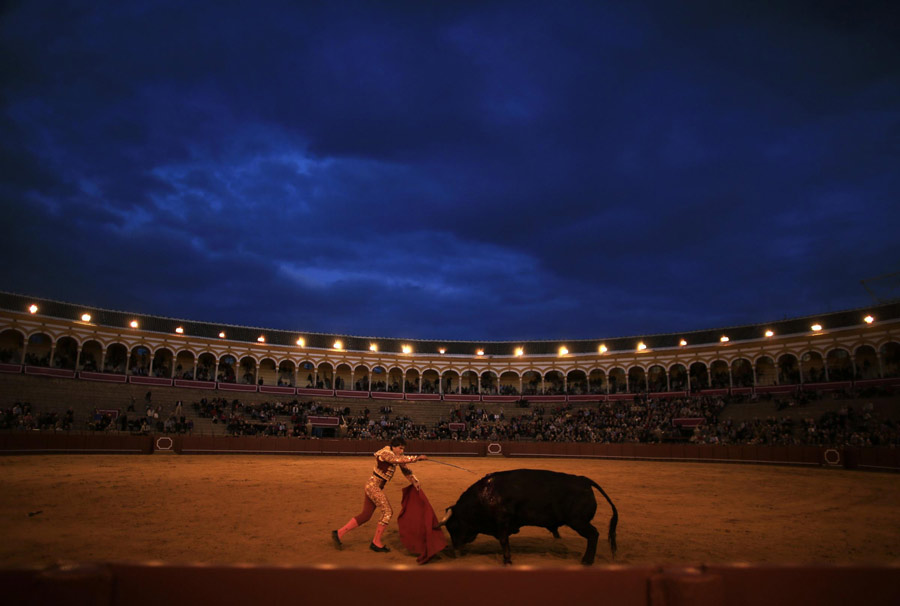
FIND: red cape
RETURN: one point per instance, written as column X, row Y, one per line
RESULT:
column 417, row 521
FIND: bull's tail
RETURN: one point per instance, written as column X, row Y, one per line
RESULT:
column 613, row 521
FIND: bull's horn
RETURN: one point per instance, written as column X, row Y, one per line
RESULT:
column 446, row 517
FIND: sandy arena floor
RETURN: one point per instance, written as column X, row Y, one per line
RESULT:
column 281, row 509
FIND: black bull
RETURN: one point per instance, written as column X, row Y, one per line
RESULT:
column 500, row 503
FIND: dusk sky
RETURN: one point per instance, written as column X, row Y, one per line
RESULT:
column 451, row 170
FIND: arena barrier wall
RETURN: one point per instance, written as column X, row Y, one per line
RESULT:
column 878, row 459
column 735, row 585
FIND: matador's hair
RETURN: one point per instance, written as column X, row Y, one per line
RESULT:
column 398, row 441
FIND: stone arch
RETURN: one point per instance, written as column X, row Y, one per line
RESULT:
column 553, row 382
column 699, row 376
column 765, row 371
column 488, row 381
column 91, row 355
column 718, row 375
column 531, row 383
column 139, row 361
column 267, row 373
column 839, row 365
column 431, row 381
column 12, row 342
column 206, row 367
column 866, row 362
column 361, row 378
column 788, row 369
column 228, row 369
column 597, row 381
column 162, row 363
column 343, row 376
column 65, row 353
column 637, row 380
column 395, row 380
column 890, row 359
column 324, row 376
column 184, row 364
column 38, row 350
column 678, row 377
column 741, row 373
column 812, row 367
column 576, row 382
column 379, row 380
column 656, row 379
column 287, row 372
column 411, row 380
column 247, row 371
column 617, row 380
column 509, row 383
column 469, row 382
column 450, row 381
column 116, row 360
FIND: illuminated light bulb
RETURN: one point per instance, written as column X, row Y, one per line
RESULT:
column 869, row 319
column 682, row 342
column 641, row 346
column 770, row 333
column 222, row 335
column 816, row 327
column 441, row 351
column 603, row 349
column 180, row 330
column 724, row 339
column 373, row 347
column 339, row 345
column 134, row 324
column 563, row 350
column 301, row 342
column 261, row 339
column 520, row 352
column 85, row 317
column 480, row 352
column 407, row 349
column 33, row 308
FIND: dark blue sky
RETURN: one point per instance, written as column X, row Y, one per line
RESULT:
column 453, row 170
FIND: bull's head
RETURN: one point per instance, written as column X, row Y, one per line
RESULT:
column 460, row 533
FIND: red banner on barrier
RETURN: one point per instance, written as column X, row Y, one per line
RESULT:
column 423, row 397
column 235, row 387
column 50, row 372
column 195, row 384
column 102, row 376
column 277, row 389
column 347, row 393
column 309, row 391
column 12, row 368
column 149, row 380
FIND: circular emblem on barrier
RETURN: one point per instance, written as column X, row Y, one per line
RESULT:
column 832, row 457
column 164, row 443
column 494, row 448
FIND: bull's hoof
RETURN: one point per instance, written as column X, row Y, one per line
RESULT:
column 382, row 549
column 336, row 540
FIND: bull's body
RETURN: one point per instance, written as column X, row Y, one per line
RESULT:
column 501, row 503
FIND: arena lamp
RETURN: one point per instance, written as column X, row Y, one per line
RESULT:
column 180, row 330
column 603, row 349
column 407, row 349
column 816, row 327
column 33, row 308
column 682, row 343
column 869, row 319
column 222, row 335
column 261, row 339
column 770, row 333
column 301, row 342
column 563, row 350
column 373, row 347
column 134, row 324
column 520, row 352
column 442, row 351
column 339, row 345
column 480, row 352
column 724, row 339
column 85, row 317
column 641, row 346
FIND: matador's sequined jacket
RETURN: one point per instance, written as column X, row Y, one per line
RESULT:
column 386, row 463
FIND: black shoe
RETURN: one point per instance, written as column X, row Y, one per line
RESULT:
column 336, row 539
column 375, row 547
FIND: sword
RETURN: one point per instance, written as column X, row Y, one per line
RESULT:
column 449, row 465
